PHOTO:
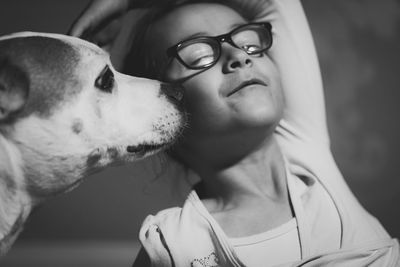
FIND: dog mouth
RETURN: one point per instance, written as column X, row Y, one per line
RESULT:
column 145, row 148
column 245, row 84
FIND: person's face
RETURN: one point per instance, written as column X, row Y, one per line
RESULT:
column 213, row 109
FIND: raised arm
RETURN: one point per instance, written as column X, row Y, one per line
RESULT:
column 294, row 53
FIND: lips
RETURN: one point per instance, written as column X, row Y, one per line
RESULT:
column 245, row 84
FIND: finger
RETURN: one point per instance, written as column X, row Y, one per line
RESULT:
column 107, row 35
column 97, row 14
column 83, row 24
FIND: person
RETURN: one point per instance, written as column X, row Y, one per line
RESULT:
column 270, row 192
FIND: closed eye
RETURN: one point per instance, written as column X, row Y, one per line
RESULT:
column 105, row 81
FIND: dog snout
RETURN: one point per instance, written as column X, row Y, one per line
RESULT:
column 173, row 91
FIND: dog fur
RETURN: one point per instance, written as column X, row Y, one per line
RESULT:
column 65, row 113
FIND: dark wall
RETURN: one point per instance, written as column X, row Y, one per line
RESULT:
column 357, row 43
column 358, row 46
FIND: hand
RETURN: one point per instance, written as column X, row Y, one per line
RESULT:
column 101, row 21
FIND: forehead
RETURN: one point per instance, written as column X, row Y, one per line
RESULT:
column 195, row 19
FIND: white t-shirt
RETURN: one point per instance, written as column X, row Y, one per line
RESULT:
column 266, row 249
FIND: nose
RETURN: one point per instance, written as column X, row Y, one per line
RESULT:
column 235, row 58
column 173, row 91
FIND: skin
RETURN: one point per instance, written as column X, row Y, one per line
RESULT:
column 229, row 142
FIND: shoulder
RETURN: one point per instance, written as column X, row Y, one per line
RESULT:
column 161, row 217
column 152, row 237
column 172, row 233
column 190, row 211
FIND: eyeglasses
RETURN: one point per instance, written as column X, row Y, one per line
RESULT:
column 203, row 52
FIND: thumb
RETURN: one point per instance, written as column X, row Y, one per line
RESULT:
column 97, row 14
column 81, row 26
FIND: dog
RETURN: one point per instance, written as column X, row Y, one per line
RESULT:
column 66, row 113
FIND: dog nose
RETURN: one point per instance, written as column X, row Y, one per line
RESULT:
column 174, row 91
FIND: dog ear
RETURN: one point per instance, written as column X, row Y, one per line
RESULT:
column 14, row 89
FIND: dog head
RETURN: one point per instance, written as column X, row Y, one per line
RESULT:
column 66, row 113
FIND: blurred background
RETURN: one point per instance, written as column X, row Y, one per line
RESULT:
column 358, row 46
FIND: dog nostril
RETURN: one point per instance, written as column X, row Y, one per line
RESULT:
column 174, row 91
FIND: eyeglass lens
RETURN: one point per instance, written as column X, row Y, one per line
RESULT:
column 203, row 51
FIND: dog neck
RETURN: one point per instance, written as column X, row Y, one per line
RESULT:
column 15, row 205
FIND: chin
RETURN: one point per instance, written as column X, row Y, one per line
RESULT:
column 261, row 115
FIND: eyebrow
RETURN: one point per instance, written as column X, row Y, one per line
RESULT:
column 197, row 34
column 203, row 34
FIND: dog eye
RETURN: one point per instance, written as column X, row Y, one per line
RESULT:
column 105, row 81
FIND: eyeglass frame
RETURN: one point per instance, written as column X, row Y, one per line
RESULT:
column 173, row 51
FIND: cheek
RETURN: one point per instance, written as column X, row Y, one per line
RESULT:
column 199, row 97
column 276, row 86
column 203, row 102
column 203, row 89
column 268, row 68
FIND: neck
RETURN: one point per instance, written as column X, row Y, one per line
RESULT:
column 259, row 173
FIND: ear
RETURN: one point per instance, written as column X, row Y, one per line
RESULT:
column 14, row 89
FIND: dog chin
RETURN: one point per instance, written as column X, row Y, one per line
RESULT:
column 163, row 139
column 147, row 148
